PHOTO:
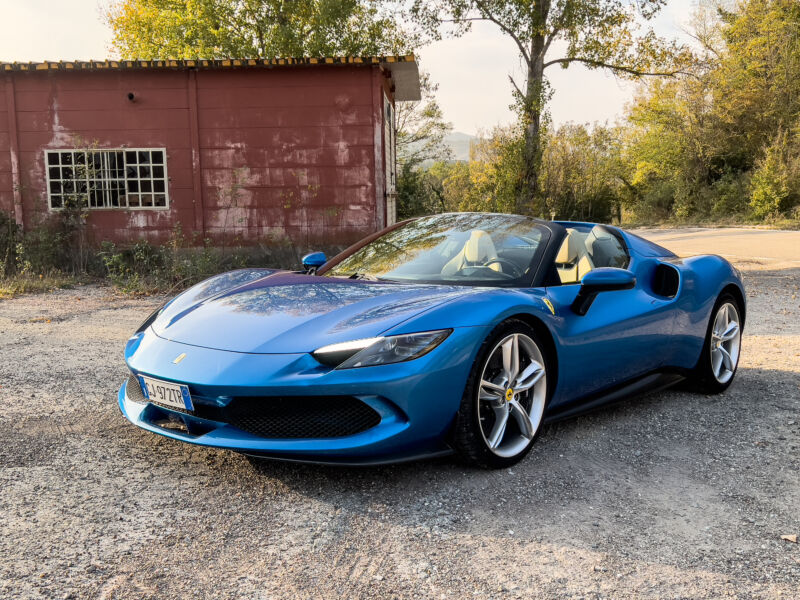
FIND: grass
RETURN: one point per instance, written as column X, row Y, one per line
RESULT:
column 34, row 284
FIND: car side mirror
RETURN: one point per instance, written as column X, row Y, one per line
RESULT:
column 604, row 279
column 313, row 261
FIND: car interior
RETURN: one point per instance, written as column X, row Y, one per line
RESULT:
column 583, row 251
column 479, row 250
column 580, row 252
column 478, row 254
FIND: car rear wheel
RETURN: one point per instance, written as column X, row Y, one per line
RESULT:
column 505, row 398
column 720, row 357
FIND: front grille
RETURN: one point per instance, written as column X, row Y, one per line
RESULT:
column 301, row 416
column 288, row 417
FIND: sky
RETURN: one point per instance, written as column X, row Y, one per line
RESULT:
column 472, row 71
column 475, row 93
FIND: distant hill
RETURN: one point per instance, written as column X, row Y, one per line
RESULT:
column 459, row 143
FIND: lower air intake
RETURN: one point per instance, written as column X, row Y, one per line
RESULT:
column 301, row 416
column 133, row 390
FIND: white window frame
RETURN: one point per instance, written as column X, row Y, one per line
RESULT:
column 109, row 178
column 390, row 159
column 390, row 140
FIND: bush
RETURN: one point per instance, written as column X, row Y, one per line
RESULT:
column 146, row 268
column 770, row 189
column 418, row 193
column 43, row 250
column 55, row 252
column 9, row 236
column 729, row 195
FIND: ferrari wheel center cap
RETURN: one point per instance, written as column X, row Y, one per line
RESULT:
column 509, row 395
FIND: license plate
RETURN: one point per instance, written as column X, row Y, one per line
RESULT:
column 166, row 393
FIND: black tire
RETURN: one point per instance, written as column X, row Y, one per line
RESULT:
column 467, row 437
column 702, row 378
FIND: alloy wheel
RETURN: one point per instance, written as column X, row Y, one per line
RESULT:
column 511, row 395
column 725, row 343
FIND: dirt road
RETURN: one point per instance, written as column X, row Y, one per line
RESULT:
column 672, row 496
column 735, row 244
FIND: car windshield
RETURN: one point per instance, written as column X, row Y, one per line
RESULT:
column 466, row 249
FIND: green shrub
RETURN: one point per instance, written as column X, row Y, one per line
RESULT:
column 43, row 250
column 9, row 237
column 54, row 252
column 146, row 268
column 729, row 196
column 771, row 188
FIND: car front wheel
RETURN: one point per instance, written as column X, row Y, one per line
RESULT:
column 505, row 398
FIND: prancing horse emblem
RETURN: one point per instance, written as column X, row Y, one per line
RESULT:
column 179, row 358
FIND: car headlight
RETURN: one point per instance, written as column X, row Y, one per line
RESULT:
column 380, row 350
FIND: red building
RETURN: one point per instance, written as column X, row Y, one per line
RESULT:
column 259, row 150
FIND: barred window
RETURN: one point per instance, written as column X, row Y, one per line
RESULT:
column 133, row 178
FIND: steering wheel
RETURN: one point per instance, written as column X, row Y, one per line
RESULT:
column 514, row 270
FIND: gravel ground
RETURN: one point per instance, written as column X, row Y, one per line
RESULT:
column 675, row 495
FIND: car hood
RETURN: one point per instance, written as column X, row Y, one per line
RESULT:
column 268, row 312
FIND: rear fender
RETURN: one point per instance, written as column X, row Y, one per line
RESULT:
column 703, row 278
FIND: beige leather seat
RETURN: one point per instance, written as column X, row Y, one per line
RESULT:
column 572, row 260
column 478, row 250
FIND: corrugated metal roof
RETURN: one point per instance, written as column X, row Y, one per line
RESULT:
column 404, row 68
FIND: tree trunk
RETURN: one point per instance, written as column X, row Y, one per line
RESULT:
column 532, row 116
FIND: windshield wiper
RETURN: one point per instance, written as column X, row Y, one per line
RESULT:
column 366, row 276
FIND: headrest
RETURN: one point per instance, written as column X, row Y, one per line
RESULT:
column 568, row 252
column 604, row 248
column 479, row 247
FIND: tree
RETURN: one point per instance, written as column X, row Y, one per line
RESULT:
column 757, row 78
column 419, row 192
column 667, row 148
column 487, row 182
column 724, row 140
column 582, row 173
column 596, row 33
column 495, row 169
column 150, row 29
column 775, row 178
column 421, row 128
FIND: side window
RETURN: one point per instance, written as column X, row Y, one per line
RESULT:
column 605, row 249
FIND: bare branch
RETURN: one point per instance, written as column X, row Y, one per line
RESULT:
column 488, row 16
column 516, row 87
column 549, row 40
column 702, row 41
column 620, row 68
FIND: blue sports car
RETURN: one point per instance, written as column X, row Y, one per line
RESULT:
column 457, row 332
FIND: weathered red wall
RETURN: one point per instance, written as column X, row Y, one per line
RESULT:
column 6, row 185
column 257, row 154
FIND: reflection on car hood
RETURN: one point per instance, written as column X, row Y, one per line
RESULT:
column 261, row 311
